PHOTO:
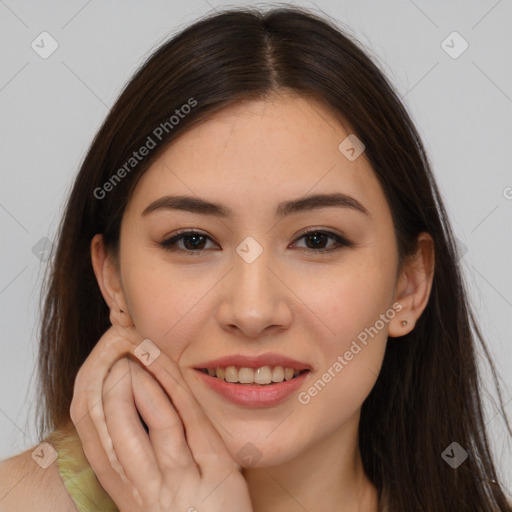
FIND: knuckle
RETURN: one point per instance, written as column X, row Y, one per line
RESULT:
column 177, row 463
column 118, row 368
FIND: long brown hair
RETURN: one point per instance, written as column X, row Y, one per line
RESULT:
column 428, row 392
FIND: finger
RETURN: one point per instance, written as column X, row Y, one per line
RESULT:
column 121, row 492
column 205, row 443
column 165, row 427
column 82, row 412
column 131, row 443
column 117, row 343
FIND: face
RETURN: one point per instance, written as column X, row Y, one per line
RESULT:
column 251, row 282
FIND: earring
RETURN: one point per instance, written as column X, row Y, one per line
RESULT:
column 404, row 323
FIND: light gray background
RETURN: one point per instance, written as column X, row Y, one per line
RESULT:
column 51, row 108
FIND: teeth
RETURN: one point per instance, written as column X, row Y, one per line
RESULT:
column 246, row 375
column 278, row 374
column 231, row 374
column 263, row 375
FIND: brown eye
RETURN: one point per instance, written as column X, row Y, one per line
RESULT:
column 193, row 242
column 319, row 238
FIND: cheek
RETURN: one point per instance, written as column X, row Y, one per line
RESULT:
column 345, row 301
column 357, row 307
column 160, row 303
column 169, row 303
column 352, row 314
column 337, row 393
column 351, row 358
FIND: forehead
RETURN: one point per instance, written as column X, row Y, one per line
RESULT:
column 261, row 152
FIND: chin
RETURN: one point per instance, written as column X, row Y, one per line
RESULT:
column 260, row 454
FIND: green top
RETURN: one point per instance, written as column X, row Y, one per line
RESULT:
column 77, row 474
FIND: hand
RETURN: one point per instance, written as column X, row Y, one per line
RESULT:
column 183, row 465
column 116, row 343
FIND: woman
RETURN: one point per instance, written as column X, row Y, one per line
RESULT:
column 255, row 302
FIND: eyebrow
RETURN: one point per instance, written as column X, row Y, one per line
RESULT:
column 307, row 203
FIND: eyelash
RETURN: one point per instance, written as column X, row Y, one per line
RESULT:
column 170, row 244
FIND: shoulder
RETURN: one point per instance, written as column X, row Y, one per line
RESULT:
column 26, row 486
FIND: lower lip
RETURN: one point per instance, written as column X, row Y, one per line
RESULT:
column 254, row 395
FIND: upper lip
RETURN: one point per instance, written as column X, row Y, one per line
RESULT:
column 267, row 359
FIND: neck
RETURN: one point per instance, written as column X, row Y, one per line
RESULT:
column 327, row 476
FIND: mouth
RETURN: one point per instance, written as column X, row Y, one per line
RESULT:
column 263, row 375
column 262, row 387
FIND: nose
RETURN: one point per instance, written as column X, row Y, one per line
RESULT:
column 256, row 301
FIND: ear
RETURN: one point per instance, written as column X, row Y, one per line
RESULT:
column 413, row 286
column 107, row 275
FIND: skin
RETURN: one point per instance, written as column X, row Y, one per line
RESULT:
column 290, row 300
